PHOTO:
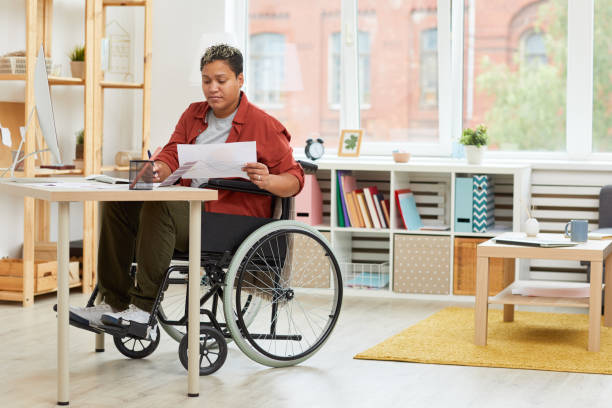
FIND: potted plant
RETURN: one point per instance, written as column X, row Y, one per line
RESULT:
column 475, row 142
column 77, row 62
column 80, row 143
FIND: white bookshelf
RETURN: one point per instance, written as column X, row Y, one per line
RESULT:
column 376, row 245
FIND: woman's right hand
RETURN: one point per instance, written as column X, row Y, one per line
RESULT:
column 161, row 171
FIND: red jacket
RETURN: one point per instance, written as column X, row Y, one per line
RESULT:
column 249, row 124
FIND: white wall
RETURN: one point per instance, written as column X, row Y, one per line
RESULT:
column 178, row 27
column 177, row 32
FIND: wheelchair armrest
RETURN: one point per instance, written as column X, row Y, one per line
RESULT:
column 241, row 186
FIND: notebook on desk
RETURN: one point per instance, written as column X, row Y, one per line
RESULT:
column 536, row 242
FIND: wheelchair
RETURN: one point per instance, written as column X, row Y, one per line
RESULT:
column 272, row 286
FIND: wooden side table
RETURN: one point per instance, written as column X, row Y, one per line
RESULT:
column 594, row 251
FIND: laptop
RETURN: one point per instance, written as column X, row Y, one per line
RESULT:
column 536, row 242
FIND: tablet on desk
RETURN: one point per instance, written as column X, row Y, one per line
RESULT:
column 536, row 242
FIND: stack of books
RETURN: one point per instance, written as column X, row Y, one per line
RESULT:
column 360, row 207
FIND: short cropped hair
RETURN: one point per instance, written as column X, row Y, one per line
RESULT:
column 223, row 52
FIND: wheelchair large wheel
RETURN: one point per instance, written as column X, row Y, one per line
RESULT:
column 173, row 309
column 292, row 270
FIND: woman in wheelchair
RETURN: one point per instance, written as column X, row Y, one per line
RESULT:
column 255, row 267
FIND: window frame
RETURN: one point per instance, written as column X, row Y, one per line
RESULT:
column 579, row 107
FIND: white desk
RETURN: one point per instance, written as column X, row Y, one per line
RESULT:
column 94, row 191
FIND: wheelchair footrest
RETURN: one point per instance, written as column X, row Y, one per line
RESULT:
column 80, row 323
column 137, row 330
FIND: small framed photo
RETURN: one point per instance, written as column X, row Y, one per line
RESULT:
column 350, row 142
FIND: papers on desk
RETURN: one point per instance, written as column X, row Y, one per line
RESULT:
column 103, row 178
column 80, row 186
column 601, row 233
column 220, row 160
column 551, row 289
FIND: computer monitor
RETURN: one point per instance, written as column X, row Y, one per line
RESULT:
column 44, row 108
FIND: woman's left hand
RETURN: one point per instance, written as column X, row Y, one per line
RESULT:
column 258, row 174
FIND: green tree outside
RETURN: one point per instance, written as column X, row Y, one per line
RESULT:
column 528, row 112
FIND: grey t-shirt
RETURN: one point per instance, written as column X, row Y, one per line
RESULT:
column 217, row 132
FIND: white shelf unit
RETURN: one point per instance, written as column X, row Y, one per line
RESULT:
column 433, row 182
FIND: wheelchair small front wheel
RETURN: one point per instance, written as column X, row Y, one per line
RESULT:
column 213, row 350
column 136, row 348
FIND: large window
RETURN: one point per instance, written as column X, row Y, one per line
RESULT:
column 287, row 68
column 403, row 73
column 602, row 77
column 364, row 70
column 515, row 72
column 523, row 68
column 267, row 69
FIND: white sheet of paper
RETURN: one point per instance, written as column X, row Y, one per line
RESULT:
column 6, row 136
column 217, row 159
column 178, row 173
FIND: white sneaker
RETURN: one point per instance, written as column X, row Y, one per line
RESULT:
column 129, row 315
column 92, row 314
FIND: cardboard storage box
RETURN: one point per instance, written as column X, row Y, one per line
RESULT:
column 421, row 264
column 45, row 275
column 309, row 266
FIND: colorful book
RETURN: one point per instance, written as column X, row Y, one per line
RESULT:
column 364, row 209
column 351, row 210
column 371, row 207
column 339, row 207
column 377, row 203
column 385, row 207
column 339, row 174
column 406, row 206
column 358, row 209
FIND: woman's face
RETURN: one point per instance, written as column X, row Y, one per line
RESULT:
column 221, row 87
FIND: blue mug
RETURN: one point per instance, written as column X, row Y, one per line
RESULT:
column 577, row 230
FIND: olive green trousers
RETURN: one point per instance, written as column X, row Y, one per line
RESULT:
column 143, row 232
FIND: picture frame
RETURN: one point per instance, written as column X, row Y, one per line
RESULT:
column 350, row 142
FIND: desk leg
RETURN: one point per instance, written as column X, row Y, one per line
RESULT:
column 608, row 293
column 595, row 306
column 193, row 324
column 482, row 301
column 63, row 238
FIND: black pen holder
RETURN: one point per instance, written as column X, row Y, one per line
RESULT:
column 141, row 175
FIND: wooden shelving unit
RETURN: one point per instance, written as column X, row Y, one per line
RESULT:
column 37, row 213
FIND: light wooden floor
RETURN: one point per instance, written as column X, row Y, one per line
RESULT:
column 332, row 378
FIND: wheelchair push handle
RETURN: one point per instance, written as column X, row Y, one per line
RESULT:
column 309, row 168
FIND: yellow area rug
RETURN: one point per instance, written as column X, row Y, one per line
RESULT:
column 536, row 341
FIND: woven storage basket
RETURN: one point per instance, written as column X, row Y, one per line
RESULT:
column 17, row 65
column 501, row 270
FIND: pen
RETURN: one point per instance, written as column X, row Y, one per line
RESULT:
column 149, row 153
